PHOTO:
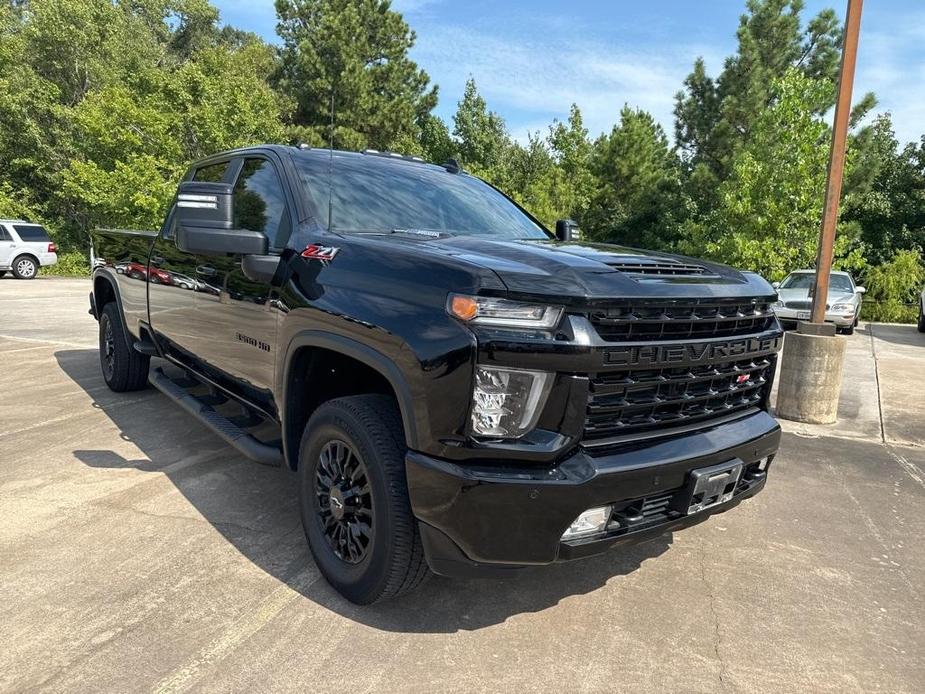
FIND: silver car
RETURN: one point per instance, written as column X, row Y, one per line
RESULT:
column 843, row 305
column 24, row 248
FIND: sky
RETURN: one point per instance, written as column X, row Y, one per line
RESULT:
column 531, row 59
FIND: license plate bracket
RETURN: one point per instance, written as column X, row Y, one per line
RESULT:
column 712, row 486
column 802, row 315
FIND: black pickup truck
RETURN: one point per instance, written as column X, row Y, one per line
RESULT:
column 457, row 389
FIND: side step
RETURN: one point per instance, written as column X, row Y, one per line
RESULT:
column 235, row 436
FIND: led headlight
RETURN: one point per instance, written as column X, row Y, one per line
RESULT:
column 842, row 308
column 507, row 402
column 487, row 310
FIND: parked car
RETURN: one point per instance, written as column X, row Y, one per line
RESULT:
column 184, row 281
column 456, row 388
column 922, row 312
column 843, row 305
column 24, row 248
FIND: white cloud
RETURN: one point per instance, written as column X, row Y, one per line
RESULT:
column 530, row 82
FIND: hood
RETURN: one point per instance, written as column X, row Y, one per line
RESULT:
column 581, row 271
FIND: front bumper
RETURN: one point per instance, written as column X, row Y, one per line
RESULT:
column 490, row 518
column 791, row 316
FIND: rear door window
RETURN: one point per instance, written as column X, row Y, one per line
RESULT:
column 31, row 232
column 4, row 234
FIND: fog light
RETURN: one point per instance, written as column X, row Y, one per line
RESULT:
column 591, row 522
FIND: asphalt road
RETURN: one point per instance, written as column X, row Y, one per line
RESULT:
column 139, row 553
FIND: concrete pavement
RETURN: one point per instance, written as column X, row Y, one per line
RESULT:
column 139, row 553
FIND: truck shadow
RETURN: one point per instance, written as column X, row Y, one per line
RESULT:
column 255, row 508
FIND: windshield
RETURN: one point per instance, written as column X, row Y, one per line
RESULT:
column 370, row 193
column 805, row 280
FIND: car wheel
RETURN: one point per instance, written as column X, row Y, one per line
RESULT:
column 124, row 369
column 25, row 268
column 847, row 330
column 354, row 499
column 921, row 319
column 135, row 275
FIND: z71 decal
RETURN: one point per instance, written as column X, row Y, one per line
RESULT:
column 325, row 254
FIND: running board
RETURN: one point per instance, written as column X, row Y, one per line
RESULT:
column 234, row 435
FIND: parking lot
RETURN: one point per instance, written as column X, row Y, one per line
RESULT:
column 138, row 552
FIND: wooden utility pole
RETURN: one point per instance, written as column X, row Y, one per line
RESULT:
column 836, row 160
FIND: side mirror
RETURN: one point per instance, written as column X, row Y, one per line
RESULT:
column 860, row 290
column 776, row 285
column 567, row 230
column 205, row 222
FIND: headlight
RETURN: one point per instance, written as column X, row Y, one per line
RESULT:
column 842, row 308
column 485, row 310
column 507, row 402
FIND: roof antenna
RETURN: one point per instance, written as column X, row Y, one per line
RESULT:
column 331, row 166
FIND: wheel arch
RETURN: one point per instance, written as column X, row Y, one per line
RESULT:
column 26, row 254
column 105, row 290
column 313, row 353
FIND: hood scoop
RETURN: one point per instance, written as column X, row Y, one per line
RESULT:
column 662, row 267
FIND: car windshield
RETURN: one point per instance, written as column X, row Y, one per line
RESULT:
column 805, row 280
column 374, row 194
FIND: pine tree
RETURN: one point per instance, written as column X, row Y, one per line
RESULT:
column 357, row 52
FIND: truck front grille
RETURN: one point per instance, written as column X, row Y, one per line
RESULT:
column 640, row 400
column 683, row 319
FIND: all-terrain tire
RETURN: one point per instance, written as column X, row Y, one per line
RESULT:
column 124, row 368
column 393, row 561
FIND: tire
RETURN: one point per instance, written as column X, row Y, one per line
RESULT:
column 921, row 325
column 391, row 562
column 135, row 275
column 123, row 368
column 25, row 267
column 849, row 330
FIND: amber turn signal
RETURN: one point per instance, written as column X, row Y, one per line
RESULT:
column 464, row 307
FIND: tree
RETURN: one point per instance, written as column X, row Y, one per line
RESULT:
column 355, row 51
column 481, row 135
column 714, row 118
column 93, row 133
column 770, row 207
column 638, row 198
column 887, row 192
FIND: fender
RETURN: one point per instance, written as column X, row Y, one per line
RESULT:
column 101, row 274
column 362, row 353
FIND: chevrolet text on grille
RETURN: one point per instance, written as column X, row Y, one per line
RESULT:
column 653, row 355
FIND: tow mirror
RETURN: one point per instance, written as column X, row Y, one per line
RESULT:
column 860, row 290
column 567, row 230
column 205, row 222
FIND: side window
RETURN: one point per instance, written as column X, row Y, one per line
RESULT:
column 4, row 234
column 213, row 173
column 259, row 202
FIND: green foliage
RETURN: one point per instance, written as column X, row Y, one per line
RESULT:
column 357, row 51
column 70, row 264
column 770, row 207
column 893, row 289
column 103, row 105
column 638, row 199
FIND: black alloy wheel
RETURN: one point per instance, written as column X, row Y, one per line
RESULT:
column 345, row 505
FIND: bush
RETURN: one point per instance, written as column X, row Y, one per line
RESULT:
column 70, row 264
column 893, row 289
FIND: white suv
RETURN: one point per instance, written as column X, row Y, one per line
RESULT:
column 24, row 248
